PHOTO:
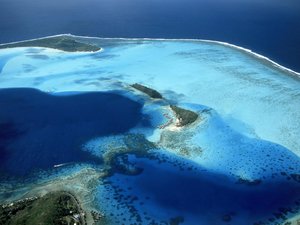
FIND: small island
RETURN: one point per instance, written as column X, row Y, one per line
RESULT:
column 64, row 43
column 148, row 91
column 184, row 116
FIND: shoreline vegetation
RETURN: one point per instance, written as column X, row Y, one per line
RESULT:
column 148, row 91
column 184, row 116
column 239, row 48
column 63, row 207
column 54, row 208
column 64, row 43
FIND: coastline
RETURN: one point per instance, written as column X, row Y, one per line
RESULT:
column 140, row 41
column 55, row 206
column 240, row 48
column 65, row 43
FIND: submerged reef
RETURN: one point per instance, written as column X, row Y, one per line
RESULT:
column 209, row 149
column 296, row 177
column 29, row 110
column 115, row 158
column 149, row 91
column 248, row 182
column 64, row 43
column 56, row 208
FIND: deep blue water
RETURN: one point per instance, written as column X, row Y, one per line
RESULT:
column 203, row 197
column 270, row 27
column 39, row 130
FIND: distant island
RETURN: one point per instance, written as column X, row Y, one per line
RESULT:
column 64, row 43
column 148, row 91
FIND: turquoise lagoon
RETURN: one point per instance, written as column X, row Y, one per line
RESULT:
column 237, row 164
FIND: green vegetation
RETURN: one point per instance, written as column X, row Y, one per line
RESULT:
column 151, row 92
column 64, row 43
column 184, row 116
column 59, row 208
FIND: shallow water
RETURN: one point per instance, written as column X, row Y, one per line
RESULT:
column 271, row 28
column 247, row 131
column 249, row 94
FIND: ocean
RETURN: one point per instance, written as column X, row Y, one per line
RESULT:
column 270, row 28
column 71, row 120
column 39, row 131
